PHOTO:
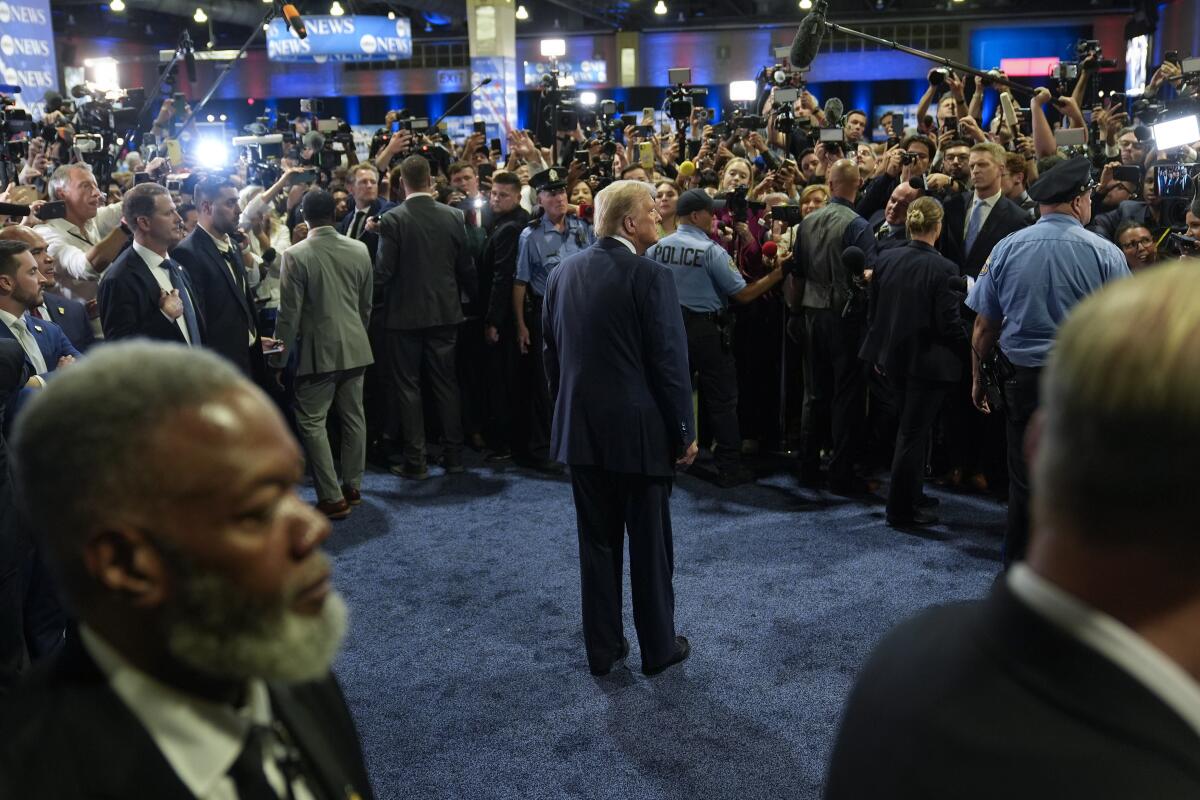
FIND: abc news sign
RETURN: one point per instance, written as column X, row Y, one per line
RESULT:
column 27, row 49
column 341, row 39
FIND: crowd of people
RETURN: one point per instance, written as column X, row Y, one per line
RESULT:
column 862, row 305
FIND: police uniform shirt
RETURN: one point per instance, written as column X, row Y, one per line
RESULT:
column 705, row 276
column 543, row 247
column 1034, row 278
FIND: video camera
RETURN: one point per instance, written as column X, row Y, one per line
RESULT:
column 781, row 74
column 682, row 97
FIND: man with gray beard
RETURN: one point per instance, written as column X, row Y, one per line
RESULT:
column 207, row 622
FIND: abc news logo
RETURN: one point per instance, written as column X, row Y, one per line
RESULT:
column 26, row 14
column 11, row 46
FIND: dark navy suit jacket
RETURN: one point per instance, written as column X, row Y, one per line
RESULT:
column 616, row 359
column 371, row 240
column 50, row 338
column 129, row 297
column 71, row 316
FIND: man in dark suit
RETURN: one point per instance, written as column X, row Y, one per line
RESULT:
column 144, row 292
column 214, row 266
column 358, row 224
column 70, row 315
column 207, row 620
column 976, row 220
column 611, row 318
column 15, row 547
column 1079, row 675
column 46, row 347
column 421, row 271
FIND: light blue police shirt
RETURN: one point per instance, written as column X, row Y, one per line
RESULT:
column 704, row 273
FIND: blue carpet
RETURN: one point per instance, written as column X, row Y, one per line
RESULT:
column 465, row 666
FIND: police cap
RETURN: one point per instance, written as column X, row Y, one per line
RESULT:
column 1064, row 182
column 549, row 180
column 696, row 200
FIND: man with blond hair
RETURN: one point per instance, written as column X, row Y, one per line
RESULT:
column 611, row 319
column 1079, row 675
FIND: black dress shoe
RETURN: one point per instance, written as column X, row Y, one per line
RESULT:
column 602, row 671
column 928, row 501
column 414, row 472
column 453, row 465
column 734, row 475
column 916, row 519
column 681, row 653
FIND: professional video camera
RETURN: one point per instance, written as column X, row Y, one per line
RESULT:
column 13, row 122
column 736, row 202
column 682, row 97
column 781, row 74
column 607, row 120
column 1086, row 48
column 558, row 109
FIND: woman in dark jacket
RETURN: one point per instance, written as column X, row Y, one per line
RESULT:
column 914, row 339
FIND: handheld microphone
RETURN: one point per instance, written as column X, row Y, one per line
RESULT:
column 808, row 37
column 293, row 18
column 833, row 112
column 770, row 250
column 854, row 259
column 586, row 211
column 687, row 169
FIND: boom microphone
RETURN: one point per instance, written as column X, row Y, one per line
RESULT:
column 189, row 63
column 854, row 260
column 293, row 18
column 808, row 37
column 833, row 112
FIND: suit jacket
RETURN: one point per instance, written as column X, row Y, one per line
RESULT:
column 325, row 289
column 989, row 700
column 423, row 265
column 224, row 303
column 915, row 327
column 498, row 267
column 15, row 542
column 50, row 339
column 616, row 359
column 129, row 297
column 1005, row 218
column 65, row 734
column 1106, row 224
column 72, row 317
column 371, row 240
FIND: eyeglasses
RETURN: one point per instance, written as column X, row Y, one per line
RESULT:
column 1136, row 243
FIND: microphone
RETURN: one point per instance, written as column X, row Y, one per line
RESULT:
column 313, row 140
column 854, row 259
column 687, row 169
column 770, row 249
column 808, row 37
column 485, row 81
column 833, row 112
column 586, row 211
column 189, row 63
column 293, row 18
column 53, row 100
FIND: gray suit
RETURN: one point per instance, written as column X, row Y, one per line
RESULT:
column 423, row 266
column 325, row 297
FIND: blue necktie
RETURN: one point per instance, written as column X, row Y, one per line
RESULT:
column 973, row 226
column 189, row 311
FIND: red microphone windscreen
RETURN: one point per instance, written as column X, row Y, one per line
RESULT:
column 770, row 249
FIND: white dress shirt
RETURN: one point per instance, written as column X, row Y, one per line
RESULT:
column 68, row 245
column 20, row 331
column 1168, row 681
column 988, row 204
column 154, row 261
column 200, row 739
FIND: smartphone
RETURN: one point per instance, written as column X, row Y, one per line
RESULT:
column 480, row 126
column 142, row 177
column 951, row 124
column 1070, row 137
column 55, row 210
column 485, row 170
column 644, row 130
column 495, row 146
column 305, row 176
column 646, row 155
column 582, row 157
column 693, row 148
column 272, row 347
column 1131, row 174
column 629, row 120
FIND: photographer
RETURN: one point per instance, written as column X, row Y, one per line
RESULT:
column 1147, row 211
column 909, row 159
column 89, row 237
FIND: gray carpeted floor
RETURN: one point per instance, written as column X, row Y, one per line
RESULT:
column 465, row 665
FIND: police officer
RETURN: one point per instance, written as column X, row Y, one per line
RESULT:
column 1030, row 283
column 552, row 235
column 706, row 279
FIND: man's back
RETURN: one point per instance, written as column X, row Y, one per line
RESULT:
column 616, row 359
column 325, row 301
column 423, row 264
column 989, row 700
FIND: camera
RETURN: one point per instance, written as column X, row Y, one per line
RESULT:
column 789, row 215
column 1091, row 47
column 736, row 202
column 907, row 159
column 682, row 98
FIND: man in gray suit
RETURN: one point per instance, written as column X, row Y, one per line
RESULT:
column 423, row 266
column 325, row 303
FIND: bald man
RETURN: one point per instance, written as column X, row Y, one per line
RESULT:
column 832, row 302
column 70, row 315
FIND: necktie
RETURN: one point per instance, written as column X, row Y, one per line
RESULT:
column 883, row 231
column 30, row 345
column 189, row 311
column 247, row 772
column 360, row 218
column 973, row 226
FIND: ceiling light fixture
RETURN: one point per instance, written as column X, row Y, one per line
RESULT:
column 117, row 5
column 522, row 13
column 336, row 9
column 805, row 5
column 200, row 16
column 661, row 8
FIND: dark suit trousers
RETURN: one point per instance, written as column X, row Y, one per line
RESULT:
column 718, row 384
column 502, row 360
column 472, row 374
column 533, row 407
column 918, row 402
column 834, row 391
column 1020, row 400
column 432, row 349
column 606, row 503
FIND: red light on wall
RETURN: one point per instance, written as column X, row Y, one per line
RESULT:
column 249, row 101
column 1028, row 67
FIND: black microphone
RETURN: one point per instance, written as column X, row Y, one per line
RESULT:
column 53, row 101
column 833, row 112
column 189, row 62
column 293, row 18
column 854, row 260
column 808, row 37
column 485, row 81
